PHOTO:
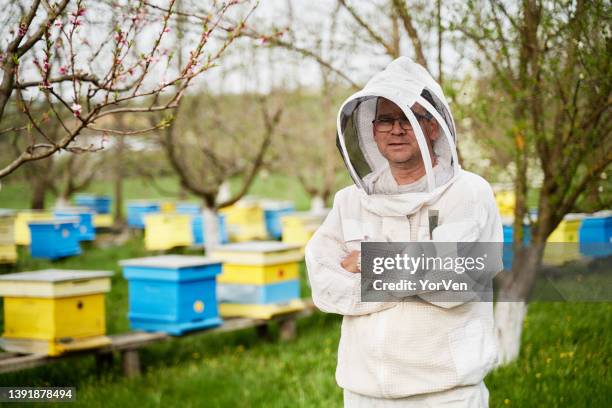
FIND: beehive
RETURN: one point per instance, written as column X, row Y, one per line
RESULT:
column 562, row 245
column 278, row 292
column 8, row 249
column 186, row 207
column 595, row 235
column 86, row 230
column 508, row 254
column 137, row 209
column 167, row 206
column 54, row 239
column 245, row 221
column 259, row 279
column 166, row 231
column 172, row 293
column 298, row 228
column 54, row 311
column 102, row 220
column 505, row 202
column 99, row 204
column 567, row 230
column 197, row 224
column 257, row 311
column 273, row 212
column 22, row 231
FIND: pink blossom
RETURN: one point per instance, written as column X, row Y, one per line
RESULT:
column 76, row 109
column 167, row 30
column 59, row 24
column 63, row 70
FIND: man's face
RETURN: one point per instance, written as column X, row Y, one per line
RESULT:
column 400, row 145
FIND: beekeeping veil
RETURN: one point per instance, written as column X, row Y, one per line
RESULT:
column 406, row 84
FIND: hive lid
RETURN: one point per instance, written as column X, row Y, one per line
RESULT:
column 257, row 246
column 574, row 217
column 169, row 261
column 55, row 275
column 57, row 221
column 273, row 205
column 73, row 210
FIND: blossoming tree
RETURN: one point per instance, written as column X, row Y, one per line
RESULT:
column 71, row 66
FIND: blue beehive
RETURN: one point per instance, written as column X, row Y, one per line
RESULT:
column 198, row 232
column 100, row 204
column 596, row 236
column 508, row 240
column 136, row 211
column 86, row 230
column 188, row 208
column 273, row 211
column 54, row 239
column 279, row 292
column 197, row 224
column 172, row 293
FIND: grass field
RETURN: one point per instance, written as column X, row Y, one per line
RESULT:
column 564, row 360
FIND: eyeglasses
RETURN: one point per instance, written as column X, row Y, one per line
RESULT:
column 386, row 124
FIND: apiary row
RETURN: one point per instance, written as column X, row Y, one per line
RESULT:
column 57, row 311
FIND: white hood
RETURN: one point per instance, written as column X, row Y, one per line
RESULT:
column 404, row 83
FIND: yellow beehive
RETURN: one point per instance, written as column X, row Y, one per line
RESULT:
column 257, row 253
column 166, row 231
column 245, row 221
column 54, row 311
column 259, row 274
column 168, row 207
column 562, row 244
column 243, row 213
column 298, row 228
column 103, row 220
column 567, row 230
column 8, row 250
column 259, row 311
column 505, row 202
column 260, row 263
column 22, row 231
column 8, row 254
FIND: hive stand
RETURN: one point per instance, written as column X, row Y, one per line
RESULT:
column 127, row 345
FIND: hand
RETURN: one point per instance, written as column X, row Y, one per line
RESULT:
column 352, row 262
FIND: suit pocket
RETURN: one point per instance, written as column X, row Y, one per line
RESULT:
column 471, row 351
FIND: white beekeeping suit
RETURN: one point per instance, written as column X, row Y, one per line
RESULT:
column 424, row 352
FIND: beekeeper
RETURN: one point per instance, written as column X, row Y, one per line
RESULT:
column 397, row 139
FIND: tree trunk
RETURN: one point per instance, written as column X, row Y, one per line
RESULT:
column 118, row 184
column 509, row 317
column 210, row 225
column 511, row 305
column 317, row 203
column 37, row 201
column 62, row 202
column 225, row 192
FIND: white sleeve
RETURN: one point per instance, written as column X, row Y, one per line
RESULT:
column 484, row 226
column 334, row 289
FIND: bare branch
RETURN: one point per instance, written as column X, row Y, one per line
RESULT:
column 390, row 49
column 400, row 6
